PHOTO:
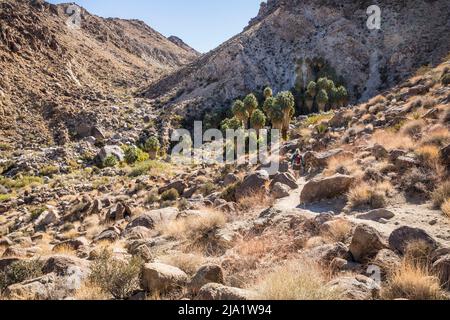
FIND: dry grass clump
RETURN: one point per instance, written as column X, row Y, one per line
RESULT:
column 339, row 231
column 91, row 292
column 344, row 164
column 376, row 100
column 438, row 136
column 418, row 253
column 299, row 280
column 366, row 195
column 193, row 227
column 413, row 282
column 413, row 129
column 188, row 262
column 392, row 140
column 65, row 250
column 256, row 200
column 429, row 156
column 446, row 207
column 441, row 194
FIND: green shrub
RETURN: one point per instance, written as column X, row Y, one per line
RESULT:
column 445, row 80
column 5, row 197
column 152, row 146
column 20, row 271
column 207, row 188
column 110, row 162
column 134, row 154
column 170, row 195
column 120, row 278
column 36, row 213
column 152, row 198
column 150, row 167
column 49, row 171
column 20, row 182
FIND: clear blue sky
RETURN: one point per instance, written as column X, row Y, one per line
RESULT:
column 203, row 24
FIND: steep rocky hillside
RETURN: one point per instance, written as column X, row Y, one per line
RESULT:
column 290, row 42
column 367, row 219
column 51, row 70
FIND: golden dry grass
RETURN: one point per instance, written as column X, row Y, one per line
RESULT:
column 188, row 262
column 343, row 163
column 194, row 226
column 256, row 200
column 91, row 292
column 392, row 140
column 366, row 195
column 413, row 128
column 446, row 208
column 339, row 231
column 438, row 136
column 441, row 194
column 413, row 282
column 64, row 250
column 297, row 280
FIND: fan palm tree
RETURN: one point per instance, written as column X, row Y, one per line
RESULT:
column 240, row 112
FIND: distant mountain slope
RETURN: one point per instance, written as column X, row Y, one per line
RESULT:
column 50, row 70
column 289, row 39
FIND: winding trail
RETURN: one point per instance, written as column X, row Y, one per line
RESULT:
column 406, row 214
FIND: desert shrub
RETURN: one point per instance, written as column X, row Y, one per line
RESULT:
column 120, row 278
column 318, row 118
column 392, row 140
column 441, row 194
column 20, row 271
column 109, row 162
column 150, row 167
column 428, row 155
column 418, row 181
column 207, row 188
column 339, row 231
column 445, row 80
column 134, row 154
column 229, row 194
column 152, row 198
column 413, row 128
column 5, row 197
column 36, row 212
column 170, row 195
column 300, row 280
column 413, row 282
column 438, row 137
column 418, row 253
column 152, row 146
column 366, row 195
column 21, row 181
column 49, row 171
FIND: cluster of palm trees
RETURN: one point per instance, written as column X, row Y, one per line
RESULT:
column 278, row 110
column 325, row 94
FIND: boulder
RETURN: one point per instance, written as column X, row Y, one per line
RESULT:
column 325, row 254
column 219, row 292
column 35, row 289
column 379, row 152
column 119, row 212
column 280, row 190
column 356, row 288
column 47, row 218
column 286, row 179
column 377, row 215
column 178, row 185
column 366, row 243
column 108, row 151
column 318, row 160
column 73, row 244
column 150, row 219
column 62, row 265
column 210, row 273
column 230, row 179
column 442, row 268
column 402, row 237
column 111, row 235
column 158, row 277
column 254, row 182
column 326, row 187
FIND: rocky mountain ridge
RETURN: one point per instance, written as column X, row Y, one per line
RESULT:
column 289, row 41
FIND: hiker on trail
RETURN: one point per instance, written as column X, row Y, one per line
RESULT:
column 297, row 163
